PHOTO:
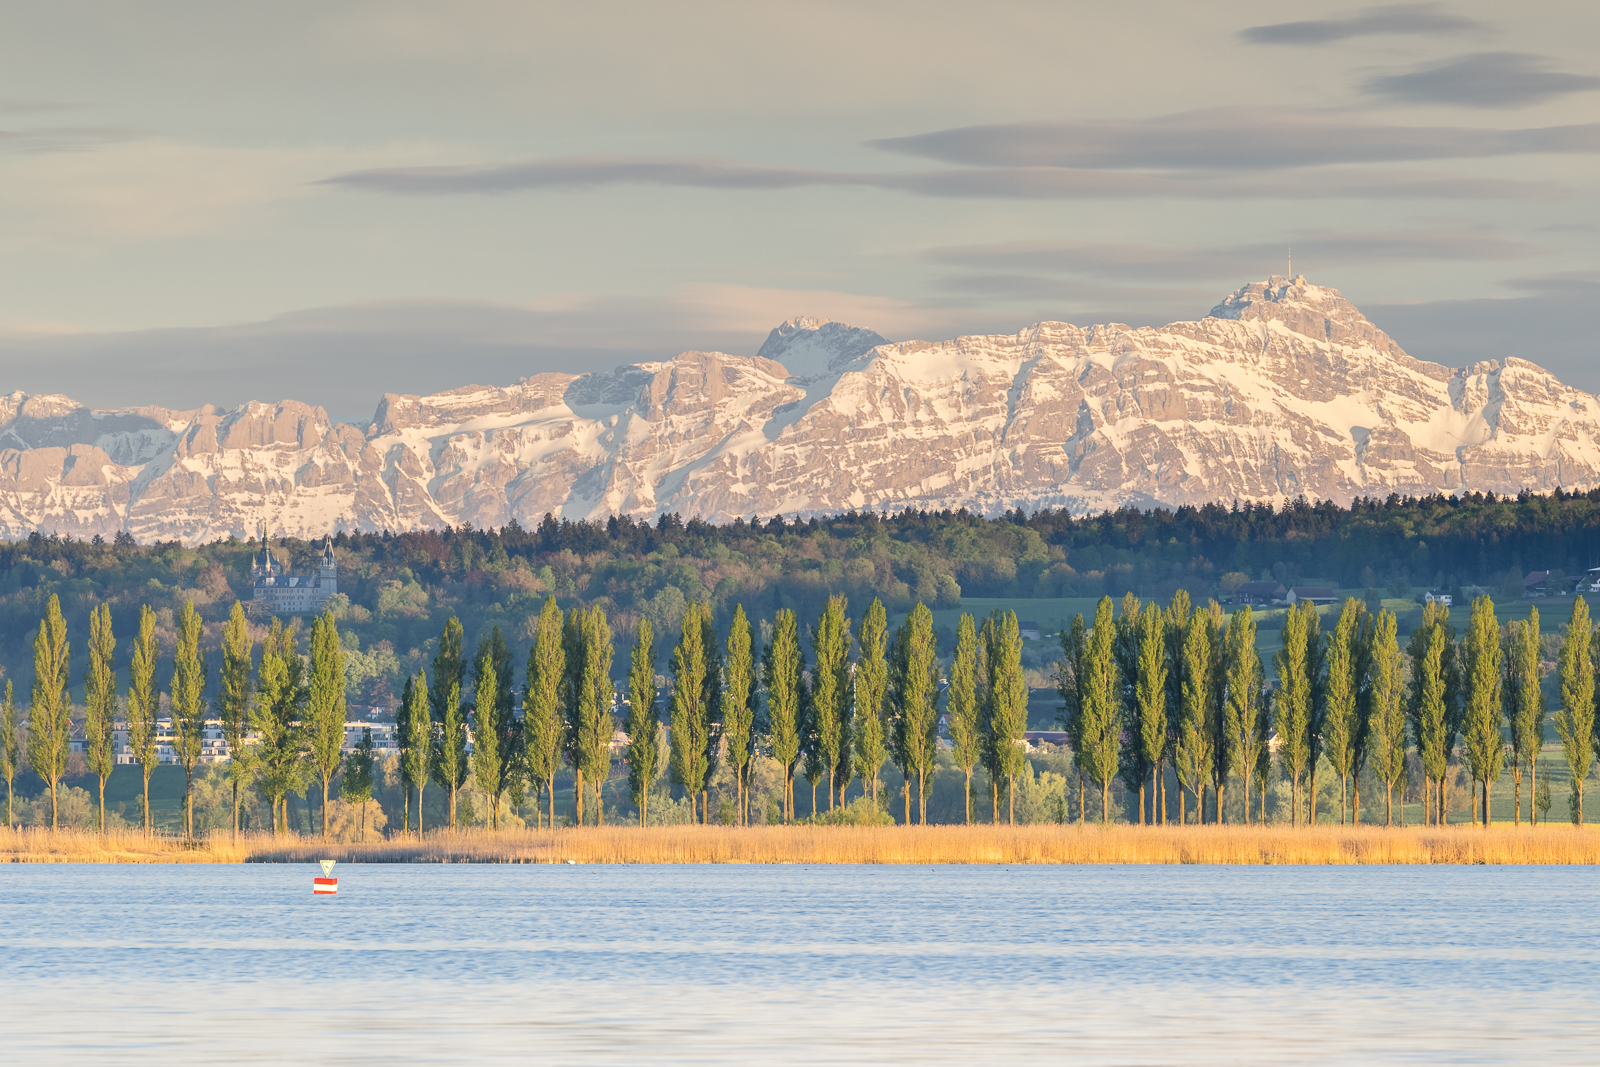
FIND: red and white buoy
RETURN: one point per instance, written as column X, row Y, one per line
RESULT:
column 328, row 884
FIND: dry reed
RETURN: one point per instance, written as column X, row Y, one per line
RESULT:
column 967, row 845
column 115, row 846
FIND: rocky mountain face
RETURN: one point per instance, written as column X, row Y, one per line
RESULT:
column 1285, row 388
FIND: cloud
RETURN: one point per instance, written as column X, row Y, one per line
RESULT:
column 65, row 138
column 1485, row 79
column 1551, row 325
column 1235, row 138
column 1381, row 20
column 344, row 358
column 1010, row 183
column 1315, row 249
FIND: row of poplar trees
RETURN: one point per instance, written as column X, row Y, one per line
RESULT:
column 832, row 716
column 282, row 719
column 1184, row 689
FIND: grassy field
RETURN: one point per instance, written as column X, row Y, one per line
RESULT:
column 859, row 845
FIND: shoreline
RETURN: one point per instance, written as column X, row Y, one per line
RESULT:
column 814, row 845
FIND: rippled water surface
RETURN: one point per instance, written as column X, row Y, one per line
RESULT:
column 910, row 965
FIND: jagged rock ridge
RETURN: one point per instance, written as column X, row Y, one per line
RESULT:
column 1285, row 388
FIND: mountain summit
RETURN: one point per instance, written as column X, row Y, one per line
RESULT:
column 1284, row 389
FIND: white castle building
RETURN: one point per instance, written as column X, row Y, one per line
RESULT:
column 280, row 593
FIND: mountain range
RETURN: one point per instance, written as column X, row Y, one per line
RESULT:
column 1283, row 389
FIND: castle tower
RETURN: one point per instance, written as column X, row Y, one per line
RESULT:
column 329, row 574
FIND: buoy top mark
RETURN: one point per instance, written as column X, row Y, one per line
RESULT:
column 327, row 868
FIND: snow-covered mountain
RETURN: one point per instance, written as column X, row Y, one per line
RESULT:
column 1285, row 388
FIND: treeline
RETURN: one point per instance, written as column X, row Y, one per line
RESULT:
column 282, row 718
column 1180, row 690
column 397, row 590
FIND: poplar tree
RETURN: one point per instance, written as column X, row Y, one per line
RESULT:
column 1100, row 718
column 277, row 719
column 595, row 727
column 416, row 761
column 1175, row 624
column 144, row 702
column 325, row 707
column 488, row 765
column 542, row 717
column 1386, row 721
column 356, row 785
column 738, row 707
column 450, row 753
column 782, row 664
column 187, row 695
column 1150, row 696
column 871, row 686
column 449, row 670
column 509, row 740
column 1575, row 718
column 643, row 717
column 1341, row 725
column 100, row 702
column 914, row 684
column 1526, row 697
column 961, row 705
column 1069, row 684
column 50, row 710
column 1485, row 747
column 10, row 750
column 1007, row 692
column 1194, row 752
column 1224, row 744
column 1135, row 769
column 1292, row 704
column 830, row 687
column 690, row 718
column 1428, row 707
column 1245, row 716
column 233, row 699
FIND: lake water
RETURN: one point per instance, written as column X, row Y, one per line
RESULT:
column 905, row 965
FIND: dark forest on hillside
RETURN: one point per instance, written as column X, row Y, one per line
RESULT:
column 397, row 590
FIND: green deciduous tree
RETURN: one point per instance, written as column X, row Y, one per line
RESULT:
column 830, row 689
column 1292, row 704
column 1341, row 720
column 144, row 702
column 233, row 700
column 1525, row 696
column 1069, row 684
column 508, row 741
column 543, row 720
column 1246, row 712
column 782, row 664
column 276, row 719
column 690, row 718
column 1386, row 719
column 1429, row 710
column 1484, row 744
column 1195, row 737
column 325, row 707
column 10, row 749
column 595, row 726
column 738, row 707
column 871, row 686
column 1006, row 695
column 643, row 718
column 1100, row 719
column 450, row 751
column 1575, row 718
column 189, row 706
column 914, row 690
column 356, row 785
column 100, row 702
column 50, row 710
column 488, row 761
column 961, row 705
column 416, row 759
column 1150, row 696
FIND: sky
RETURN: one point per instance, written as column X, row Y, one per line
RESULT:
column 213, row 203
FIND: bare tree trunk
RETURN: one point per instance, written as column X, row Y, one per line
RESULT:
column 1141, row 800
column 1105, row 802
column 1220, row 788
column 969, row 795
column 324, row 809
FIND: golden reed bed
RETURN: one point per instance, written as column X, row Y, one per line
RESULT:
column 830, row 844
